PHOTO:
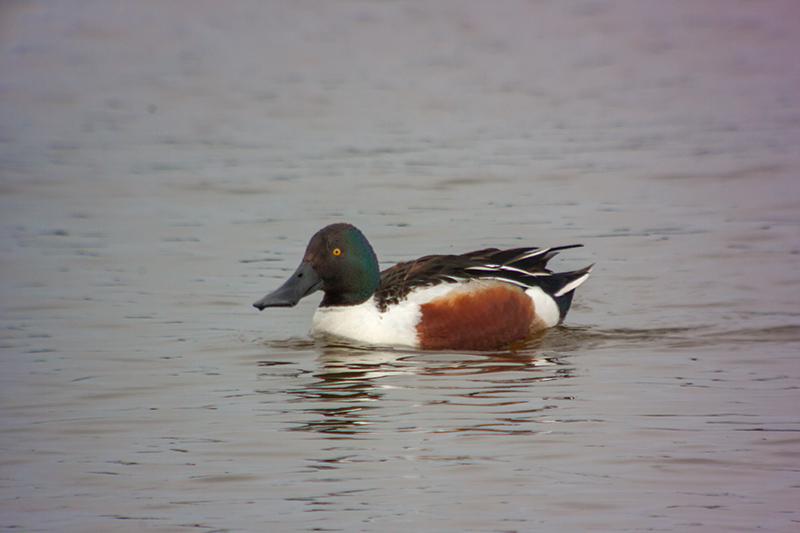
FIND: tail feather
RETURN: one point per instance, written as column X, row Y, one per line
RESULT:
column 563, row 285
column 574, row 279
column 536, row 259
column 563, row 303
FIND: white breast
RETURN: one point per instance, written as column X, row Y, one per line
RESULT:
column 397, row 326
column 367, row 324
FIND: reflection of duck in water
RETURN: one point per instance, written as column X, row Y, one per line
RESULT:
column 474, row 301
column 363, row 391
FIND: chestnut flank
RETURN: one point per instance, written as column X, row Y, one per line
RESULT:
column 483, row 316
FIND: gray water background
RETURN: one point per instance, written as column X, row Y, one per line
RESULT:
column 163, row 165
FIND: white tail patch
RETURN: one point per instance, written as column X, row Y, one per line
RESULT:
column 544, row 306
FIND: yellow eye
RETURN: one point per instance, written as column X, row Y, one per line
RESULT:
column 336, row 251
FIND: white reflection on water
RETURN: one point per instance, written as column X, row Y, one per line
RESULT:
column 354, row 386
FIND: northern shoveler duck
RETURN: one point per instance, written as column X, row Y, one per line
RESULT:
column 479, row 300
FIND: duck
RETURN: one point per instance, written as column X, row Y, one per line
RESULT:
column 476, row 301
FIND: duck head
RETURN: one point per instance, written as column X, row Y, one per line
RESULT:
column 339, row 261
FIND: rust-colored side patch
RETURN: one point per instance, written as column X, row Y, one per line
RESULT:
column 481, row 318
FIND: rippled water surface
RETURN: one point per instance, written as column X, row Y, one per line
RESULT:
column 163, row 166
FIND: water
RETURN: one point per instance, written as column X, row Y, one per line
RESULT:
column 164, row 166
